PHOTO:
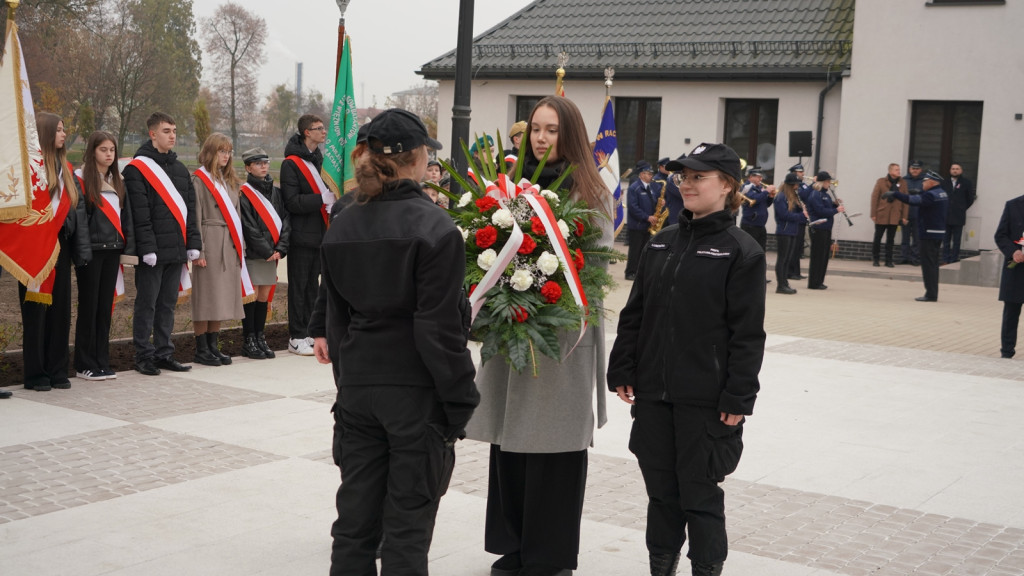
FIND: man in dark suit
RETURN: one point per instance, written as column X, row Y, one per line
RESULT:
column 1009, row 234
column 961, row 195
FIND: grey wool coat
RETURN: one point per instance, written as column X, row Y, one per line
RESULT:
column 553, row 412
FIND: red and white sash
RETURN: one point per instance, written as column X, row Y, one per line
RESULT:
column 271, row 219
column 227, row 210
column 158, row 179
column 110, row 205
column 316, row 183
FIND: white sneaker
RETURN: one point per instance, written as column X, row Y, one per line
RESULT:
column 300, row 346
column 90, row 375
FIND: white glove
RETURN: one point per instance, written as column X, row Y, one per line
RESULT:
column 192, row 254
column 150, row 259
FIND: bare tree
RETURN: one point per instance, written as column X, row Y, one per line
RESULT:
column 420, row 100
column 234, row 39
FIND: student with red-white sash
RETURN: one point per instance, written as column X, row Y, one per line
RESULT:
column 162, row 203
column 220, row 278
column 46, row 307
column 266, row 227
column 308, row 202
column 112, row 237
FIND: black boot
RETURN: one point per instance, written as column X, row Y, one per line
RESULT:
column 251, row 348
column 664, row 564
column 212, row 339
column 259, row 321
column 701, row 569
column 203, row 355
column 874, row 262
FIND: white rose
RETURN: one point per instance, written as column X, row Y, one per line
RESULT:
column 465, row 199
column 465, row 233
column 486, row 259
column 550, row 196
column 503, row 218
column 521, row 280
column 564, row 228
column 548, row 263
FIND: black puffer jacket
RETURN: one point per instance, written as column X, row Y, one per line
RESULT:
column 302, row 201
column 156, row 230
column 692, row 330
column 259, row 243
column 76, row 231
column 103, row 234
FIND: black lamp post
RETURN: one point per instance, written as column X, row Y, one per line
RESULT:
column 460, row 108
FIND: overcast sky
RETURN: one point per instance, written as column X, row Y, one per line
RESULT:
column 391, row 39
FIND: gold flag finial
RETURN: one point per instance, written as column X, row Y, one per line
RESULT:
column 12, row 5
column 563, row 59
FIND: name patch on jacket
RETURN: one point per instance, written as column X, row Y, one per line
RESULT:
column 657, row 246
column 712, row 252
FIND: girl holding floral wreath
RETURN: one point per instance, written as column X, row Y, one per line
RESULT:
column 540, row 427
column 687, row 355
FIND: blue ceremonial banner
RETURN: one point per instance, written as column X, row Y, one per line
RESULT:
column 606, row 155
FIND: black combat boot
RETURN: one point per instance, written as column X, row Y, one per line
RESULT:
column 261, row 341
column 203, row 355
column 251, row 348
column 702, row 569
column 664, row 564
column 212, row 339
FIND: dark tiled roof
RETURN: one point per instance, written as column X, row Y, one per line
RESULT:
column 650, row 39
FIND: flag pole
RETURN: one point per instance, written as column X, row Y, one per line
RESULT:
column 342, row 5
column 563, row 59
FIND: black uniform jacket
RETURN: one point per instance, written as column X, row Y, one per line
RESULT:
column 259, row 243
column 75, row 230
column 156, row 230
column 300, row 199
column 393, row 270
column 692, row 331
column 104, row 235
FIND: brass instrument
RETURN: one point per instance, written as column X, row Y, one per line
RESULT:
column 835, row 198
column 661, row 211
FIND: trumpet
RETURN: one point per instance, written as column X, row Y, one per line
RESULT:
column 749, row 201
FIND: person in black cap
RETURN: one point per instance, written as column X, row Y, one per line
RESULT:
column 673, row 199
column 798, row 248
column 933, row 203
column 822, row 208
column 266, row 228
column 910, row 235
column 393, row 267
column 790, row 219
column 433, row 171
column 640, row 206
column 687, row 356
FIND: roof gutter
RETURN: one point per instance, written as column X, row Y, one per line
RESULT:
column 821, row 117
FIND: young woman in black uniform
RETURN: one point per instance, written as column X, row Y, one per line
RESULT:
column 687, row 355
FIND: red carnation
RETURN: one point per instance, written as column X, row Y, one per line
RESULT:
column 577, row 259
column 520, row 313
column 528, row 244
column 579, row 227
column 551, row 291
column 471, row 289
column 486, row 203
column 486, row 236
column 537, row 226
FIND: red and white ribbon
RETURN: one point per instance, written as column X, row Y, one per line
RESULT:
column 234, row 222
column 504, row 258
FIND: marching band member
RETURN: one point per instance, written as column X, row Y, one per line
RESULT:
column 789, row 224
column 820, row 206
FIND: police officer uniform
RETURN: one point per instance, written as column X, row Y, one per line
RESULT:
column 932, row 204
column 640, row 203
column 821, row 208
column 755, row 215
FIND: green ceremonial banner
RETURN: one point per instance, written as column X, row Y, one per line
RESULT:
column 338, row 171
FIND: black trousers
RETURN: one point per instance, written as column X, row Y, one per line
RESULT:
column 910, row 241
column 637, row 240
column 785, row 247
column 156, row 295
column 890, row 235
column 535, row 505
column 1008, row 333
column 798, row 251
column 45, row 329
column 821, row 242
column 930, row 266
column 684, row 452
column 951, row 243
column 303, row 283
column 757, row 233
column 396, row 466
column 96, row 283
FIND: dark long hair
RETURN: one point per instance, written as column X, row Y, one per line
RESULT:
column 574, row 148
column 91, row 176
column 55, row 159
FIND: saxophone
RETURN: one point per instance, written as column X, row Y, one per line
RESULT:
column 660, row 212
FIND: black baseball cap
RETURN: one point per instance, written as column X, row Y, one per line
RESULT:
column 823, row 177
column 710, row 157
column 433, row 163
column 791, row 178
column 361, row 135
column 396, row 130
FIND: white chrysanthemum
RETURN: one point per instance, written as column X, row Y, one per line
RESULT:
column 503, row 218
column 564, row 228
column 548, row 263
column 465, row 199
column 550, row 196
column 486, row 259
column 465, row 233
column 521, row 280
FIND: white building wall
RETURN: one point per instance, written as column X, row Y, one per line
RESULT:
column 906, row 51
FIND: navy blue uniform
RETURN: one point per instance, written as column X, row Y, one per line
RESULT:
column 673, row 198
column 789, row 224
column 820, row 207
column 932, row 206
column 640, row 203
column 798, row 240
column 755, row 215
column 910, row 239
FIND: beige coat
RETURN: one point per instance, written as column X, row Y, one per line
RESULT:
column 217, row 288
column 884, row 212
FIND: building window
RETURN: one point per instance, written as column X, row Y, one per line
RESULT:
column 945, row 132
column 750, row 130
column 638, row 130
column 524, row 105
